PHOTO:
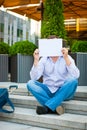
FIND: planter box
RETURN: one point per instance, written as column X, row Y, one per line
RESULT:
column 3, row 67
column 81, row 62
column 20, row 68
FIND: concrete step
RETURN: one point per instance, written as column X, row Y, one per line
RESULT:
column 4, row 125
column 74, row 118
column 72, row 106
column 81, row 93
column 21, row 88
column 24, row 101
column 19, row 91
column 27, row 116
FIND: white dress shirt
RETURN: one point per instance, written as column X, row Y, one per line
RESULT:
column 54, row 74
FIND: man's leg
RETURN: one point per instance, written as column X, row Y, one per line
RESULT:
column 65, row 92
column 39, row 91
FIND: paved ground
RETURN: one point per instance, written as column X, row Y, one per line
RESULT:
column 14, row 126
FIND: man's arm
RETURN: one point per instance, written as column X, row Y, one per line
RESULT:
column 65, row 55
column 71, row 67
column 37, row 68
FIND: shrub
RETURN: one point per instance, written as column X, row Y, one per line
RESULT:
column 53, row 19
column 22, row 47
column 4, row 48
column 79, row 46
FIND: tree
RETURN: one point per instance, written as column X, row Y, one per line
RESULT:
column 53, row 19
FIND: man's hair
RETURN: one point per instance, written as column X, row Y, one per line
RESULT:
column 52, row 36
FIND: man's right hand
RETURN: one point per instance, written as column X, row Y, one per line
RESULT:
column 36, row 57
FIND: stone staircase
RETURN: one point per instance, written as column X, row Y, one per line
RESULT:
column 74, row 118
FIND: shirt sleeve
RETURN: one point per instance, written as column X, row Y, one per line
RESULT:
column 73, row 69
column 37, row 71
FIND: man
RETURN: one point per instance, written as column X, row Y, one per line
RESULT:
column 60, row 80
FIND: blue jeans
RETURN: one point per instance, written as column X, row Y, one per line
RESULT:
column 52, row 100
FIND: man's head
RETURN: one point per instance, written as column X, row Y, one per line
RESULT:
column 54, row 36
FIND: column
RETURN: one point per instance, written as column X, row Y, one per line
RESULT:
column 15, row 30
column 5, row 29
column 24, row 30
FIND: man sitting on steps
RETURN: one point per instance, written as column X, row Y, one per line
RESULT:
column 60, row 80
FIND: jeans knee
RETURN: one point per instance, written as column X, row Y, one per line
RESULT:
column 29, row 84
column 72, row 82
column 75, row 81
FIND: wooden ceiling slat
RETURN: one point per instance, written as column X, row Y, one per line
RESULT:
column 1, row 2
column 72, row 8
column 11, row 3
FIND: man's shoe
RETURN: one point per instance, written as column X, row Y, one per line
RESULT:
column 60, row 110
column 41, row 110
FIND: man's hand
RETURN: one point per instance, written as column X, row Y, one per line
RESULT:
column 36, row 57
column 65, row 55
column 65, row 52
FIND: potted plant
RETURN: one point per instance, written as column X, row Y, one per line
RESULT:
column 21, row 60
column 4, row 67
column 79, row 53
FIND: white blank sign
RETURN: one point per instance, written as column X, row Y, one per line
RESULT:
column 50, row 47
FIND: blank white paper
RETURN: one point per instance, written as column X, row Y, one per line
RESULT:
column 50, row 47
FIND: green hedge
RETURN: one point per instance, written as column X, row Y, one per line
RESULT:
column 53, row 19
column 22, row 47
column 79, row 46
column 4, row 48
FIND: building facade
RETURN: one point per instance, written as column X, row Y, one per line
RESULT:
column 13, row 29
column 76, row 28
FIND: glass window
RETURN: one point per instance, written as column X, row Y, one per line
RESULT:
column 1, row 27
column 19, row 33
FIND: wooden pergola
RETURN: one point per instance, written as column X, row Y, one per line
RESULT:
column 32, row 8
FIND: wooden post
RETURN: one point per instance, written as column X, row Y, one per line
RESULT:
column 42, row 9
